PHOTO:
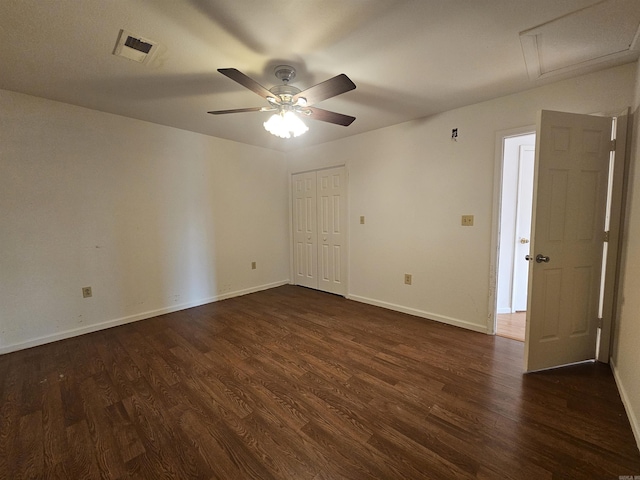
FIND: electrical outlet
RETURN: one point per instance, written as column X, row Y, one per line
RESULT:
column 86, row 292
column 407, row 279
column 467, row 220
column 361, row 219
column 253, row 265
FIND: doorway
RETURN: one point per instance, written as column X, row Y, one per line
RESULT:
column 518, row 159
column 563, row 324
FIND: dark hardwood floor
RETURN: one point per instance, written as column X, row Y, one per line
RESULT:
column 292, row 383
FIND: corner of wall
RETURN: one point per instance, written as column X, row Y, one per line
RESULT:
column 625, row 355
column 627, row 402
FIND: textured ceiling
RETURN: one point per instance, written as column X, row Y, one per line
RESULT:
column 408, row 58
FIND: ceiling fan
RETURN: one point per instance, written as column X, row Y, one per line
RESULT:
column 286, row 100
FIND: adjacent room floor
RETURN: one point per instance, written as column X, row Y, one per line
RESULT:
column 292, row 383
column 511, row 325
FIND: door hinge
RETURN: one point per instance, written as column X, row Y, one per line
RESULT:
column 599, row 323
column 613, row 145
column 606, row 236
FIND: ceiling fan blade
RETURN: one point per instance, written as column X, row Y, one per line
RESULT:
column 242, row 79
column 331, row 117
column 327, row 89
column 241, row 110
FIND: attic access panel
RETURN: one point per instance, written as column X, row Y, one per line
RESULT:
column 601, row 35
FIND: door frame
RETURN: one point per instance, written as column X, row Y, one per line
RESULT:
column 497, row 220
column 623, row 123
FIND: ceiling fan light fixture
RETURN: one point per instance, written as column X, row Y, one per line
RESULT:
column 287, row 101
column 284, row 124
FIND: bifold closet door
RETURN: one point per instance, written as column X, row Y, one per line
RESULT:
column 320, row 235
column 332, row 242
column 305, row 233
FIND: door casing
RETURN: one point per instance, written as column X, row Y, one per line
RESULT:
column 496, row 216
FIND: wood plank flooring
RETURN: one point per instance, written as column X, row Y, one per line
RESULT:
column 291, row 383
column 511, row 325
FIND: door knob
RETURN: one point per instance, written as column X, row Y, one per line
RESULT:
column 324, row 239
column 541, row 258
column 524, row 240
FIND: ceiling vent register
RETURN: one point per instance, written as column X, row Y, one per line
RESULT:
column 134, row 47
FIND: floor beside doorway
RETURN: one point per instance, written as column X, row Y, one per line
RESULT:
column 511, row 325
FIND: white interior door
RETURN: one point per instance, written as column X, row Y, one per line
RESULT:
column 332, row 230
column 570, row 188
column 305, row 230
column 524, row 205
column 320, row 230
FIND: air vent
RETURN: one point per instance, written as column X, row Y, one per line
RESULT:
column 138, row 44
column 134, row 47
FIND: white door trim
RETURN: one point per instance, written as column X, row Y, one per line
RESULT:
column 616, row 224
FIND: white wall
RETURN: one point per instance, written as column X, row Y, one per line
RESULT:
column 412, row 183
column 153, row 218
column 626, row 340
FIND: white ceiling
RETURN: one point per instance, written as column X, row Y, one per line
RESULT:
column 408, row 58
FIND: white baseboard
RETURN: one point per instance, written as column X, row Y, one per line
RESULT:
column 421, row 313
column 633, row 419
column 132, row 318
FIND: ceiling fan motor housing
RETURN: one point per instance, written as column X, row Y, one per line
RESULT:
column 286, row 73
column 285, row 92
